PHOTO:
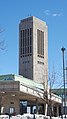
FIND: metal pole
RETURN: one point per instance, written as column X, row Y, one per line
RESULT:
column 66, row 84
column 63, row 49
column 66, row 73
column 50, row 103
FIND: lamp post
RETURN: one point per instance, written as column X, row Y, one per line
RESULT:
column 63, row 50
column 66, row 73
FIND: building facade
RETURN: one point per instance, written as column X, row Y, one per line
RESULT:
column 60, row 92
column 19, row 95
column 33, row 49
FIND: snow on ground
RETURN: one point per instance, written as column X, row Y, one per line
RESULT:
column 28, row 116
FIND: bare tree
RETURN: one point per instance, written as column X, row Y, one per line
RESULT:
column 2, row 47
column 51, row 83
column 2, row 42
column 54, row 83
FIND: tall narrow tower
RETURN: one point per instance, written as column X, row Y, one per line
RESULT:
column 33, row 50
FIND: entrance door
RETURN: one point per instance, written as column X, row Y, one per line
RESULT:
column 23, row 107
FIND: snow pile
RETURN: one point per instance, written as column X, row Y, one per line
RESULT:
column 39, row 116
column 29, row 116
column 4, row 117
column 24, row 116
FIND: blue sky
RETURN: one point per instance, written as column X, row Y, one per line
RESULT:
column 53, row 12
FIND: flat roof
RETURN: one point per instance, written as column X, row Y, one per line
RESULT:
column 21, row 79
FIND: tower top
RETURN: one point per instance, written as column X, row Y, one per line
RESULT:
column 33, row 18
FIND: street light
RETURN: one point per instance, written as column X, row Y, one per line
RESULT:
column 66, row 72
column 63, row 49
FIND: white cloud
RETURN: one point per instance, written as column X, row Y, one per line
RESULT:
column 60, row 14
column 47, row 12
column 54, row 14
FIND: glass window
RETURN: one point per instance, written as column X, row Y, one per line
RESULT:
column 39, row 62
column 30, row 49
column 26, row 42
column 40, row 43
column 23, row 42
column 30, row 31
column 23, row 33
column 11, row 110
column 30, row 40
column 23, row 50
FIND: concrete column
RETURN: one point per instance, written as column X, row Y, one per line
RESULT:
column 57, row 110
column 36, row 106
column 31, row 109
column 52, row 110
column 1, row 105
column 46, row 106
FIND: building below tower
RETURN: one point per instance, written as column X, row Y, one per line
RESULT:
column 19, row 95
